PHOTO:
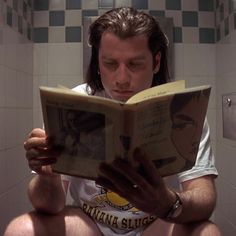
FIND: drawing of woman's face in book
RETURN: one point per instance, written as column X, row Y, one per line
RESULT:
column 187, row 124
column 85, row 135
column 77, row 132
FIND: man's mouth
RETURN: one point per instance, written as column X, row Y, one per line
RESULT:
column 125, row 93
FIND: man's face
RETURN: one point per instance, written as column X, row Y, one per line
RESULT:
column 126, row 65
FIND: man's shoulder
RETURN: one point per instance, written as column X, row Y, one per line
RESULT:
column 82, row 88
column 86, row 89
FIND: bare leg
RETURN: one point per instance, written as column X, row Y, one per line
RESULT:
column 160, row 227
column 72, row 222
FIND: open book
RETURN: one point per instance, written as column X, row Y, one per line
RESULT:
column 165, row 121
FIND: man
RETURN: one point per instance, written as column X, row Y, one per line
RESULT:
column 129, row 54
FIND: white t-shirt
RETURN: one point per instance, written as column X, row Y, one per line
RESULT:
column 113, row 214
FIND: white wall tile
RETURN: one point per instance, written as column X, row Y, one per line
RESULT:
column 56, row 34
column 2, row 86
column 10, row 87
column 92, row 4
column 24, row 125
column 65, row 59
column 127, row 3
column 4, row 206
column 3, row 170
column 2, row 46
column 199, row 59
column 178, row 61
column 41, row 18
column 206, row 19
column 156, row 5
column 24, row 56
column 2, row 128
column 189, row 5
column 10, row 41
column 57, row 4
column 73, row 17
column 10, row 116
column 176, row 15
column 40, row 59
column 190, row 35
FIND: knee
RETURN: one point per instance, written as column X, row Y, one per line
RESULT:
column 20, row 226
column 205, row 228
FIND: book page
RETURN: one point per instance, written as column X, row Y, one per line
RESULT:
column 84, row 128
column 159, row 90
column 169, row 129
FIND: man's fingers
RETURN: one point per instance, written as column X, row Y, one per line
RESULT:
column 147, row 168
column 37, row 133
column 34, row 153
column 35, row 143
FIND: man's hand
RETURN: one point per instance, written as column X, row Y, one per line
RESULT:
column 146, row 191
column 39, row 153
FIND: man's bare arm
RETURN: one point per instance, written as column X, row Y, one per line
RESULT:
column 47, row 194
column 199, row 199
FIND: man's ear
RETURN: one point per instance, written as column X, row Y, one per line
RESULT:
column 157, row 63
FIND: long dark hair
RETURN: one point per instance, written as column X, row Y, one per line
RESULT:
column 127, row 22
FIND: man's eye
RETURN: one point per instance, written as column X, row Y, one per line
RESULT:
column 178, row 126
column 183, row 125
column 110, row 63
column 135, row 65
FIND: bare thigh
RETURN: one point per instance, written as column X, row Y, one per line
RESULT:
column 159, row 227
column 204, row 228
column 72, row 222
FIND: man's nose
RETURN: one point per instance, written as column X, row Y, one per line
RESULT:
column 123, row 74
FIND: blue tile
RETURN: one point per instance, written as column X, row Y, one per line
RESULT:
column 234, row 20
column 206, row 5
column 177, row 35
column 222, row 12
column 9, row 16
column 231, row 6
column 57, row 18
column 226, row 26
column 89, row 13
column 20, row 24
column 173, row 4
column 25, row 10
column 29, row 2
column 40, row 35
column 206, row 35
column 218, row 34
column 15, row 5
column 106, row 3
column 29, row 32
column 190, row 18
column 140, row 4
column 73, row 34
column 73, row 4
column 41, row 5
column 157, row 13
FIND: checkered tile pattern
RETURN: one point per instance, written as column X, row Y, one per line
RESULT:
column 18, row 14
column 58, row 21
column 225, row 18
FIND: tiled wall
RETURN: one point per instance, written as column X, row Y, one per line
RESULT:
column 18, row 14
column 61, row 21
column 16, row 82
column 225, row 18
column 204, row 39
column 225, row 214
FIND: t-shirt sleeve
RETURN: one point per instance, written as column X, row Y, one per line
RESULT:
column 205, row 162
